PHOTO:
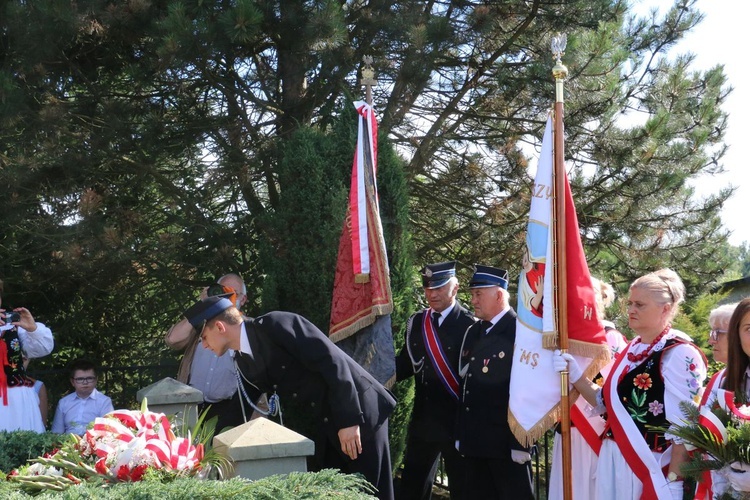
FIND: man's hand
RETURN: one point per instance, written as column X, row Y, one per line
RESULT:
column 351, row 444
column 520, row 456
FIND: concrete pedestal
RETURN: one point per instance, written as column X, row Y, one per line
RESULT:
column 262, row 448
column 175, row 399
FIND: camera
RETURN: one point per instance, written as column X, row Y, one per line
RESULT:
column 11, row 317
column 217, row 289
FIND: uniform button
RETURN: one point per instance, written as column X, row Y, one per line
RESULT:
column 312, row 404
column 325, row 420
column 470, row 374
column 294, row 395
column 467, row 408
column 283, row 367
column 473, row 358
column 275, row 386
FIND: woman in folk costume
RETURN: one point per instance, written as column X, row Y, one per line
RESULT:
column 586, row 423
column 657, row 370
column 713, row 483
column 19, row 402
column 734, row 335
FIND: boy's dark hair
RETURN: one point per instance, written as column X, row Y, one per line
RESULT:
column 83, row 365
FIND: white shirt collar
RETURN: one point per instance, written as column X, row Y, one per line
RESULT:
column 94, row 395
column 499, row 315
column 244, row 342
column 445, row 312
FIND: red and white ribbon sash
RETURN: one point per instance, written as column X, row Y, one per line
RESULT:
column 435, row 351
column 584, row 426
column 633, row 447
column 364, row 170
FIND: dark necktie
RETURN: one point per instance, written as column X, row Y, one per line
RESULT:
column 436, row 319
column 486, row 325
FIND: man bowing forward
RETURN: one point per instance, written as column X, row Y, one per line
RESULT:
column 287, row 357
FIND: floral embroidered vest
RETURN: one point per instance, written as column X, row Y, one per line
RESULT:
column 641, row 391
column 14, row 371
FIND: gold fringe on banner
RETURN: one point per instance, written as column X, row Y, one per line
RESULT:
column 528, row 437
column 549, row 340
column 599, row 354
column 365, row 318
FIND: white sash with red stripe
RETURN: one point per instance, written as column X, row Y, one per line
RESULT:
column 633, row 447
column 435, row 351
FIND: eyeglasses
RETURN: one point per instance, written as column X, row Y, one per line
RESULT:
column 714, row 334
column 83, row 380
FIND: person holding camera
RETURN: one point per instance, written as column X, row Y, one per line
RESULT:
column 200, row 368
column 19, row 334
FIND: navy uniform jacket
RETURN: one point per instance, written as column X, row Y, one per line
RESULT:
column 434, row 415
column 483, row 429
column 292, row 357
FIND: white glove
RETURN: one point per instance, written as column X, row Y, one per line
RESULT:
column 677, row 489
column 738, row 475
column 520, row 456
column 565, row 361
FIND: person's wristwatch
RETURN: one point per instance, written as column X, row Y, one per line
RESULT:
column 672, row 476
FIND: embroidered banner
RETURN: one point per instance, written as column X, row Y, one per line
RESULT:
column 362, row 300
column 534, row 384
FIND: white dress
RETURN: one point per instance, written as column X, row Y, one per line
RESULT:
column 583, row 457
column 22, row 410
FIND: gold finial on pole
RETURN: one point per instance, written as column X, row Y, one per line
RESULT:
column 560, row 72
column 368, row 78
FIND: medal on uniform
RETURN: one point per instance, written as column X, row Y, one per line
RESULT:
column 501, row 354
column 485, row 369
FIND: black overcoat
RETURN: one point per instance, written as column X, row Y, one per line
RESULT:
column 293, row 358
column 483, row 429
column 434, row 414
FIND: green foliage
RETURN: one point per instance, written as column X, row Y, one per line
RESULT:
column 299, row 254
column 323, row 484
column 147, row 148
column 19, row 446
column 399, row 420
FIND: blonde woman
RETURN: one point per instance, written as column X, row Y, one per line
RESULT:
column 657, row 370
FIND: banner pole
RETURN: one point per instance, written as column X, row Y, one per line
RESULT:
column 560, row 72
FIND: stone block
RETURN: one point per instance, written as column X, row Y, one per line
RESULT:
column 262, row 448
column 176, row 400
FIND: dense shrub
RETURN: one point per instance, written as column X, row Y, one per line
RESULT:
column 17, row 447
column 324, row 484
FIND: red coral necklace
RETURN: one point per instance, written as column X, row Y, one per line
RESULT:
column 637, row 358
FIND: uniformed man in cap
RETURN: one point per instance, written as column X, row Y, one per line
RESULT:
column 497, row 466
column 430, row 355
column 285, row 356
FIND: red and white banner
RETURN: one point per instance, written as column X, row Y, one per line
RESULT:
column 535, row 385
column 362, row 300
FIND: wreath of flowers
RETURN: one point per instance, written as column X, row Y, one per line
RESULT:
column 722, row 430
column 717, row 436
column 122, row 446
